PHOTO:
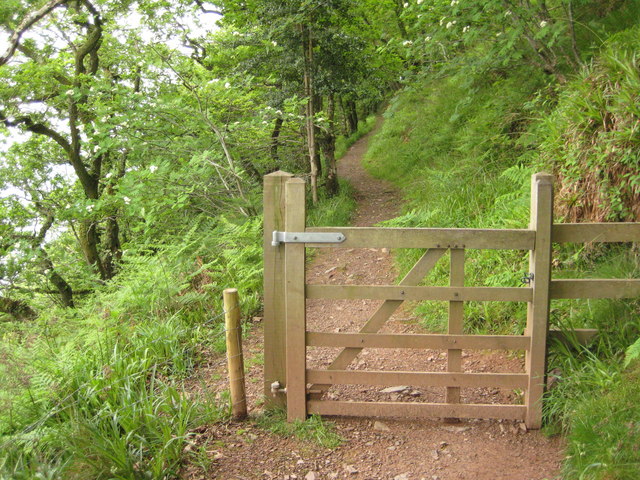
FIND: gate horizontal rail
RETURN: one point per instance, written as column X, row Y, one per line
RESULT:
column 417, row 410
column 422, row 341
column 474, row 238
column 447, row 294
column 418, row 379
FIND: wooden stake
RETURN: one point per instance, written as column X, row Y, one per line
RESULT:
column 235, row 360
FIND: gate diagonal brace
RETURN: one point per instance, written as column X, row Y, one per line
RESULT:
column 306, row 237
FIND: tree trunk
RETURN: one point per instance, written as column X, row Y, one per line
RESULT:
column 352, row 116
column 89, row 240
column 275, row 135
column 317, row 107
column 114, row 249
column 328, row 145
column 308, row 91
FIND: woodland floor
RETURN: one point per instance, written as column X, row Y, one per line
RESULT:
column 400, row 449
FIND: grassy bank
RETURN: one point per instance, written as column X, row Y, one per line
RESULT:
column 462, row 148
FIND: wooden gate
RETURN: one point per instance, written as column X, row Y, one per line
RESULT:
column 289, row 382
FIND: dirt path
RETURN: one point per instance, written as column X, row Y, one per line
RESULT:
column 388, row 449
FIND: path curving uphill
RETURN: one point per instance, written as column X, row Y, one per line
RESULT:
column 400, row 449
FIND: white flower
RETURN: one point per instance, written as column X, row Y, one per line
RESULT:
column 407, row 43
column 498, row 34
column 454, row 3
column 406, row 5
column 450, row 24
column 278, row 112
column 69, row 92
column 466, row 29
column 543, row 24
column 427, row 38
column 127, row 200
column 419, row 2
column 508, row 13
column 89, row 208
column 108, row 175
column 96, row 149
column 227, row 85
column 153, row 168
column 274, row 43
column 442, row 20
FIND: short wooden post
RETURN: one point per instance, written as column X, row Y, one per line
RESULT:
column 295, row 302
column 235, row 360
column 538, row 308
column 274, row 317
column 456, row 323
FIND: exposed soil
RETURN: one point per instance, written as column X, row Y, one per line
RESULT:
column 397, row 449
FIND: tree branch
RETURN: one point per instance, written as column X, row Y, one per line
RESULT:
column 26, row 24
column 39, row 128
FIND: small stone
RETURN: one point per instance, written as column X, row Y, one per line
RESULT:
column 435, row 454
column 310, row 476
column 300, row 462
column 443, row 445
column 369, row 444
column 523, row 427
column 397, row 389
column 332, row 475
column 402, row 476
column 385, row 250
column 415, row 393
column 381, row 427
column 350, row 469
column 392, row 448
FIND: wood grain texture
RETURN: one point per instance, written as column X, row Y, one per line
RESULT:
column 275, row 367
column 416, row 410
column 419, row 341
column 418, row 379
column 595, row 288
column 538, row 309
column 295, row 303
column 455, row 321
column 235, row 360
column 447, row 294
column 378, row 237
column 595, row 232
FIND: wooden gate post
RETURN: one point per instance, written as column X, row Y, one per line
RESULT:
column 538, row 308
column 294, row 265
column 274, row 311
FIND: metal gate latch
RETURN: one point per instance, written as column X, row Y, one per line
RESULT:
column 527, row 278
column 306, row 237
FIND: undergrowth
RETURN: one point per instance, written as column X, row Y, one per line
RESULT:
column 462, row 147
column 99, row 391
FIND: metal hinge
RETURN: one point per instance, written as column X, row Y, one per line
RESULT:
column 306, row 237
column 527, row 278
